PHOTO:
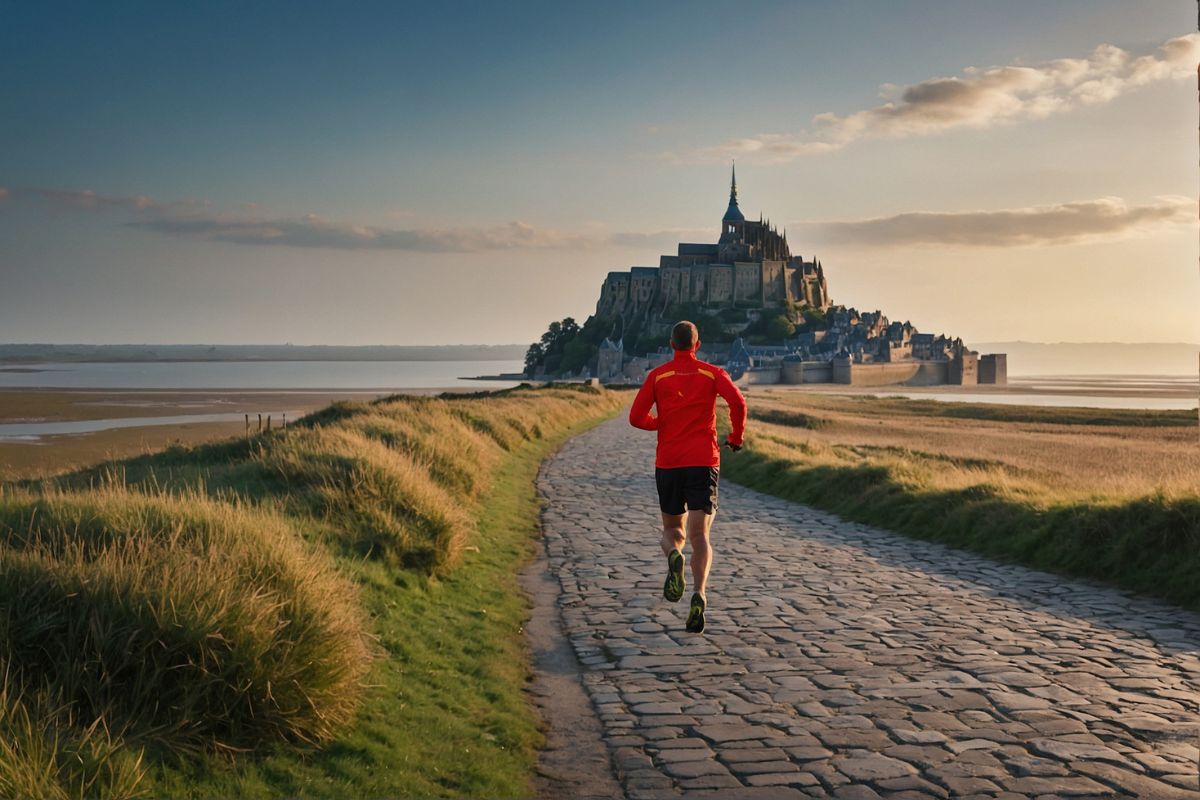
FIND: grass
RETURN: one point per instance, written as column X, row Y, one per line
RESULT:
column 202, row 612
column 178, row 619
column 1120, row 417
column 1112, row 496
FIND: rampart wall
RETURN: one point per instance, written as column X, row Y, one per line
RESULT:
column 910, row 373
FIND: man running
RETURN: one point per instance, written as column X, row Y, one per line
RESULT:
column 688, row 460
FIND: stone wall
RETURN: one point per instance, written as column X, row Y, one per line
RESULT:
column 993, row 368
column 910, row 373
column 720, row 284
column 747, row 282
column 765, row 375
column 796, row 372
column 774, row 288
column 964, row 369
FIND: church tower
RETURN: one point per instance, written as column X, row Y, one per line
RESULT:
column 731, row 223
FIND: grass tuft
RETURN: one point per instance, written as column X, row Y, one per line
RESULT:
column 195, row 623
column 45, row 753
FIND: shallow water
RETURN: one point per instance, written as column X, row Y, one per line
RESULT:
column 382, row 375
column 34, row 431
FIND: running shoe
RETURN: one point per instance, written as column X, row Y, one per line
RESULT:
column 695, row 620
column 673, row 588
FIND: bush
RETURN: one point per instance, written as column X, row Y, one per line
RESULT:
column 779, row 328
column 814, row 319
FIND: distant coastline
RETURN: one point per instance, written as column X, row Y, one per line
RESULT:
column 1025, row 358
column 1096, row 358
column 14, row 354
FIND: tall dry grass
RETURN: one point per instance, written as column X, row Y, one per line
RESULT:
column 46, row 752
column 176, row 622
column 1035, row 454
column 379, row 500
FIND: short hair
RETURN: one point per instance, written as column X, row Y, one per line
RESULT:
column 684, row 335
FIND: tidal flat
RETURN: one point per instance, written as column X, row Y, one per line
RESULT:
column 30, row 454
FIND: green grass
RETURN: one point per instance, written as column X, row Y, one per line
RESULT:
column 191, row 623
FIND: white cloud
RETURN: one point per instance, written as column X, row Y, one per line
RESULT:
column 979, row 98
column 1065, row 223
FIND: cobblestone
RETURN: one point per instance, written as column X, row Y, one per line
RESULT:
column 844, row 661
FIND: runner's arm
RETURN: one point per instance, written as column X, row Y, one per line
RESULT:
column 737, row 406
column 639, row 412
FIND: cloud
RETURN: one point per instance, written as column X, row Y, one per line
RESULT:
column 248, row 224
column 1065, row 223
column 659, row 239
column 311, row 231
column 89, row 200
column 979, row 98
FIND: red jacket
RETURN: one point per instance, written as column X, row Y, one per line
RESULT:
column 685, row 391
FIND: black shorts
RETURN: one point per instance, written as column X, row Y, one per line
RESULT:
column 692, row 487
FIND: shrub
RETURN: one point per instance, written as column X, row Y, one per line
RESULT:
column 779, row 328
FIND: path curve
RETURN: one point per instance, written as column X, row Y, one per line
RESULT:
column 848, row 662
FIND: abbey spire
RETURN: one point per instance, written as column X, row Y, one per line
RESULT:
column 733, row 213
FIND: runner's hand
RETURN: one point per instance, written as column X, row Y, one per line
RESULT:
column 731, row 445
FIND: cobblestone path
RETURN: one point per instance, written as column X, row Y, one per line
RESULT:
column 847, row 662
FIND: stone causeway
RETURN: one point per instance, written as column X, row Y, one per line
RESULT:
column 845, row 661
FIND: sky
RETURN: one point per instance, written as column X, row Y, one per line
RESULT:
column 387, row 173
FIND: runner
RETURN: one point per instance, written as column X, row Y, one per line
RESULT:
column 688, row 460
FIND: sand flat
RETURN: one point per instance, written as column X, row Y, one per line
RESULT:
column 38, row 456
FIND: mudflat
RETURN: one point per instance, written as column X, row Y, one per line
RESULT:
column 41, row 455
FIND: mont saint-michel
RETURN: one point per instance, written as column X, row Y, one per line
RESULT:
column 764, row 313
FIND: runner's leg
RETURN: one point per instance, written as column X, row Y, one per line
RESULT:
column 672, row 544
column 698, row 526
column 672, row 538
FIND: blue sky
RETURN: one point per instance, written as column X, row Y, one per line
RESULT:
column 604, row 131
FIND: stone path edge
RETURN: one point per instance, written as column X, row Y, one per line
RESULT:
column 575, row 763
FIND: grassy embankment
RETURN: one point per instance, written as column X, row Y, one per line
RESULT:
column 326, row 611
column 1112, row 495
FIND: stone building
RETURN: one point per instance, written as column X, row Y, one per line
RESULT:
column 749, row 274
column 610, row 360
column 750, row 266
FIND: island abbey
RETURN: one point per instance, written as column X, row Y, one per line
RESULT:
column 750, row 266
column 763, row 313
